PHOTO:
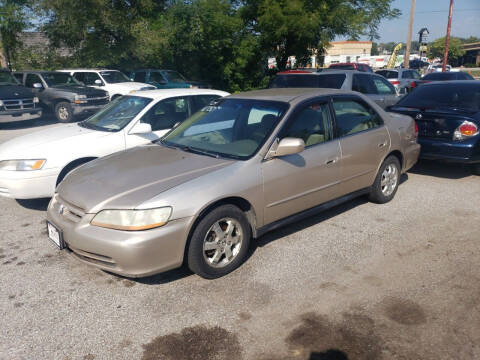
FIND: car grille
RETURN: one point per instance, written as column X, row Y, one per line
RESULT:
column 68, row 210
column 18, row 104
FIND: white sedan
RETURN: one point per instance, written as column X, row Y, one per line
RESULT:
column 31, row 166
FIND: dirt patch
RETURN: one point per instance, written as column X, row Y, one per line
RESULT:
column 129, row 283
column 194, row 343
column 26, row 224
column 18, row 304
column 380, row 220
column 244, row 316
column 373, row 280
column 317, row 337
column 89, row 357
column 404, row 312
column 20, row 263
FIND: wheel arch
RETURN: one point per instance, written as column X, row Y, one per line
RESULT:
column 238, row 201
column 398, row 154
column 73, row 165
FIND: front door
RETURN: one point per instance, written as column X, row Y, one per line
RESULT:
column 364, row 142
column 301, row 181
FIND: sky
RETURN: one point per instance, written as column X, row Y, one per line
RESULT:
column 432, row 14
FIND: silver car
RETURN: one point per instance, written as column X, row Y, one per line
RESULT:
column 376, row 87
column 241, row 166
column 403, row 79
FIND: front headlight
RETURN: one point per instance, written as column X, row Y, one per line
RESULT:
column 80, row 99
column 132, row 220
column 22, row 165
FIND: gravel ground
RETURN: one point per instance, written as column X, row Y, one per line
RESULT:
column 360, row 281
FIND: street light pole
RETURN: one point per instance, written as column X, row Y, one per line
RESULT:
column 406, row 59
column 447, row 38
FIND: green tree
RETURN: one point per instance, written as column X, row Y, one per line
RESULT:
column 455, row 49
column 14, row 18
column 298, row 27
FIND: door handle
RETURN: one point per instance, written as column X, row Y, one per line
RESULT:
column 331, row 161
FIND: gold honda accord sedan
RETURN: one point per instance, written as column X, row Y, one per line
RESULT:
column 242, row 166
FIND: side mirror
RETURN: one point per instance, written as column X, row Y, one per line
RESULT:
column 141, row 128
column 37, row 86
column 289, row 146
column 99, row 82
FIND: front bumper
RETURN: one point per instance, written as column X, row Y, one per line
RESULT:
column 466, row 152
column 28, row 184
column 127, row 253
column 20, row 115
column 84, row 109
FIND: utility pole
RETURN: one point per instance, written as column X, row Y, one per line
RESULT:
column 406, row 58
column 447, row 38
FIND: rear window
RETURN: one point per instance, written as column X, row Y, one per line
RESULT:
column 333, row 81
column 388, row 74
column 461, row 96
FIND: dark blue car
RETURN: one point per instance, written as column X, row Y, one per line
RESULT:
column 447, row 114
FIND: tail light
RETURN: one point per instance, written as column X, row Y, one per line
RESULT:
column 466, row 130
column 395, row 82
column 416, row 130
column 413, row 84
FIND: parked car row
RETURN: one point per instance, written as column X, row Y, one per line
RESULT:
column 158, row 178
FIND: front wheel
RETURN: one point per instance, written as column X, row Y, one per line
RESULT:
column 386, row 183
column 64, row 112
column 219, row 243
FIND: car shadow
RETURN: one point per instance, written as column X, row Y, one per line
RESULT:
column 34, row 204
column 441, row 169
column 47, row 119
column 328, row 355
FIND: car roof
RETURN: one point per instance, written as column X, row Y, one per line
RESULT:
column 88, row 70
column 452, row 82
column 326, row 72
column 37, row 71
column 166, row 93
column 290, row 95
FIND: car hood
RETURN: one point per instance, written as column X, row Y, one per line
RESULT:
column 80, row 90
column 44, row 143
column 125, row 180
column 131, row 85
column 15, row 92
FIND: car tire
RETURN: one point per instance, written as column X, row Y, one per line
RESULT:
column 386, row 183
column 63, row 112
column 475, row 169
column 222, row 233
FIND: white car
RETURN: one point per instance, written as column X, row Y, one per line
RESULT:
column 32, row 165
column 114, row 82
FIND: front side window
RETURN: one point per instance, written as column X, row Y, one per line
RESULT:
column 363, row 84
column 353, row 116
column 117, row 114
column 313, row 125
column 140, row 76
column 173, row 76
column 383, row 87
column 114, row 77
column 59, row 79
column 155, row 76
column 228, row 128
column 32, row 79
column 167, row 113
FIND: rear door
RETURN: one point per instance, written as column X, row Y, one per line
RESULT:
column 364, row 142
column 387, row 95
column 363, row 83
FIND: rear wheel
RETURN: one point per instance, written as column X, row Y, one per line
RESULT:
column 386, row 183
column 64, row 112
column 219, row 243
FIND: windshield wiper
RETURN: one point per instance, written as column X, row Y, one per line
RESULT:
column 198, row 151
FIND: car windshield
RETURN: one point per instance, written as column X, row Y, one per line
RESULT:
column 231, row 128
column 388, row 74
column 173, row 76
column 114, row 77
column 437, row 96
column 333, row 81
column 116, row 115
column 58, row 79
column 7, row 78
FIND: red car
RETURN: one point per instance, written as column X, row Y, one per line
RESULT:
column 351, row 66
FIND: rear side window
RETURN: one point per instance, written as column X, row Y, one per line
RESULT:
column 353, row 116
column 333, row 81
column 383, row 86
column 200, row 101
column 363, row 83
column 388, row 74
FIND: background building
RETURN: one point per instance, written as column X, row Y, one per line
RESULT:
column 347, row 51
